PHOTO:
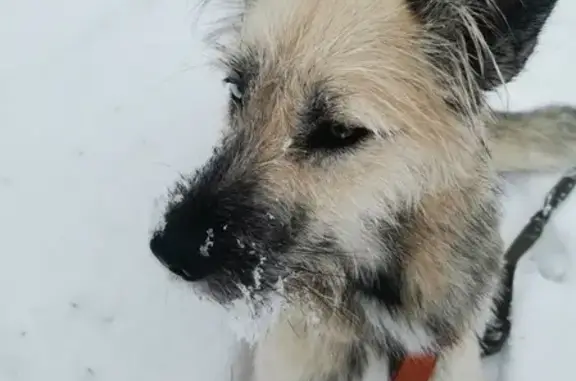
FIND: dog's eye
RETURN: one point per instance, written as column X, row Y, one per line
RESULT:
column 331, row 135
column 341, row 132
column 236, row 88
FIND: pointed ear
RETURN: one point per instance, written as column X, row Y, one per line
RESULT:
column 494, row 38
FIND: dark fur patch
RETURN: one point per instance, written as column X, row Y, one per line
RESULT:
column 320, row 129
column 357, row 362
column 388, row 286
column 243, row 70
column 354, row 367
column 510, row 30
column 208, row 210
column 223, row 227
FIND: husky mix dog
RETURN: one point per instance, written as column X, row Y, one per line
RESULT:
column 352, row 204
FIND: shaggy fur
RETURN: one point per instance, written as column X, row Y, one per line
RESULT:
column 541, row 139
column 352, row 205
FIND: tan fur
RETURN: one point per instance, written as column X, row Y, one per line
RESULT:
column 543, row 139
column 430, row 243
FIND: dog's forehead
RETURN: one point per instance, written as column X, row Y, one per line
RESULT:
column 360, row 54
column 322, row 33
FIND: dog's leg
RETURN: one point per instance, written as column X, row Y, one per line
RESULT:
column 461, row 362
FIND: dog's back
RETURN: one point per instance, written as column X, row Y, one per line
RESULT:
column 542, row 139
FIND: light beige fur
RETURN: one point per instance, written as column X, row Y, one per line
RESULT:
column 543, row 139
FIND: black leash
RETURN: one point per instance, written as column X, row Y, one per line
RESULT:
column 498, row 330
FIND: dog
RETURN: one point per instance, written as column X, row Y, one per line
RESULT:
column 350, row 211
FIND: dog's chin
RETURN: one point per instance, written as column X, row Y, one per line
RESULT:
column 250, row 318
column 250, row 312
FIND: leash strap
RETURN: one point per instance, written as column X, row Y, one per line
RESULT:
column 498, row 330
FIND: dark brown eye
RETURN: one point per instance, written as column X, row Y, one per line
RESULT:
column 340, row 131
column 334, row 136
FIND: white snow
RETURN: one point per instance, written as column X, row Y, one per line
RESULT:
column 205, row 248
column 249, row 323
column 102, row 104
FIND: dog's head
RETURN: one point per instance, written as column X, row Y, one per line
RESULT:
column 343, row 115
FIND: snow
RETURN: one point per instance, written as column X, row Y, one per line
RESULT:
column 102, row 105
column 205, row 248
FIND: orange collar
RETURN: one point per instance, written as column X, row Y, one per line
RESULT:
column 415, row 368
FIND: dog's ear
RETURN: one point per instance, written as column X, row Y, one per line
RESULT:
column 496, row 37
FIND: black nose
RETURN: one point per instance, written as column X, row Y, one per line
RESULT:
column 178, row 252
column 204, row 232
